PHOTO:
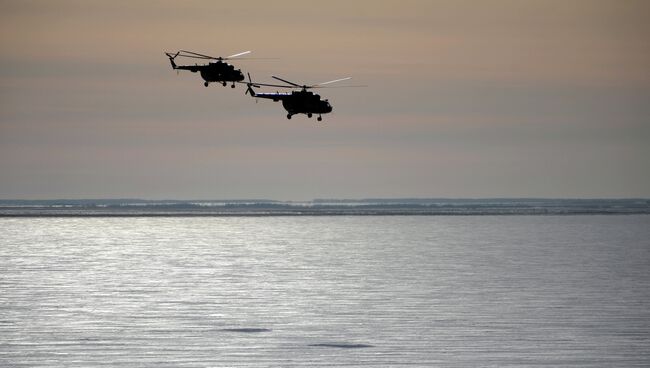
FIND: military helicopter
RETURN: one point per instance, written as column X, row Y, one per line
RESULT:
column 218, row 71
column 296, row 102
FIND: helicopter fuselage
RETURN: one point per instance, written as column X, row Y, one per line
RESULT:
column 305, row 102
column 220, row 72
column 298, row 102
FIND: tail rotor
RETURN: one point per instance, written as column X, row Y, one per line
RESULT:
column 171, row 58
column 250, row 85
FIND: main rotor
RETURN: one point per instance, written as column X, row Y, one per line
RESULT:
column 305, row 87
column 196, row 55
column 289, row 84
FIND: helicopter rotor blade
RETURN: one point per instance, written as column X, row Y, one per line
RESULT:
column 250, row 82
column 197, row 57
column 253, row 58
column 358, row 85
column 286, row 81
column 332, row 81
column 240, row 54
column 258, row 85
column 197, row 54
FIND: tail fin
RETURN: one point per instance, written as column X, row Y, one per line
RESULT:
column 171, row 59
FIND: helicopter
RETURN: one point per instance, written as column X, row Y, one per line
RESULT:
column 218, row 71
column 295, row 102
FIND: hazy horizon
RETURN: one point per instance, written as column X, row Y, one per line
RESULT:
column 343, row 199
column 493, row 99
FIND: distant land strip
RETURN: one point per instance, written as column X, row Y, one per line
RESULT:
column 321, row 207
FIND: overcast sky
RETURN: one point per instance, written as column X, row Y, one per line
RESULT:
column 464, row 99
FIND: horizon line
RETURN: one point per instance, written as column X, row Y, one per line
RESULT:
column 63, row 199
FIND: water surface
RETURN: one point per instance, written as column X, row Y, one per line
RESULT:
column 325, row 291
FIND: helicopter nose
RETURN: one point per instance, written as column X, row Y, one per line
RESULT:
column 328, row 107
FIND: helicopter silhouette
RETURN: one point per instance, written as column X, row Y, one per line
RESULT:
column 218, row 71
column 296, row 102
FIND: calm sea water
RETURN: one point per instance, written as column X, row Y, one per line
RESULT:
column 325, row 291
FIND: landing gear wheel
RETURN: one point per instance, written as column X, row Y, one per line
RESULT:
column 309, row 115
column 288, row 116
column 205, row 84
column 224, row 83
column 319, row 118
column 233, row 85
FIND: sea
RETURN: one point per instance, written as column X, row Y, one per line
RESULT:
column 325, row 291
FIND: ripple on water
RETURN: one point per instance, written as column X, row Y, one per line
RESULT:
column 342, row 345
column 246, row 330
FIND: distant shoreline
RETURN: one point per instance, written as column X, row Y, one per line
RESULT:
column 364, row 207
column 305, row 215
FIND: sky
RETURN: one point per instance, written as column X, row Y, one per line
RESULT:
column 490, row 98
